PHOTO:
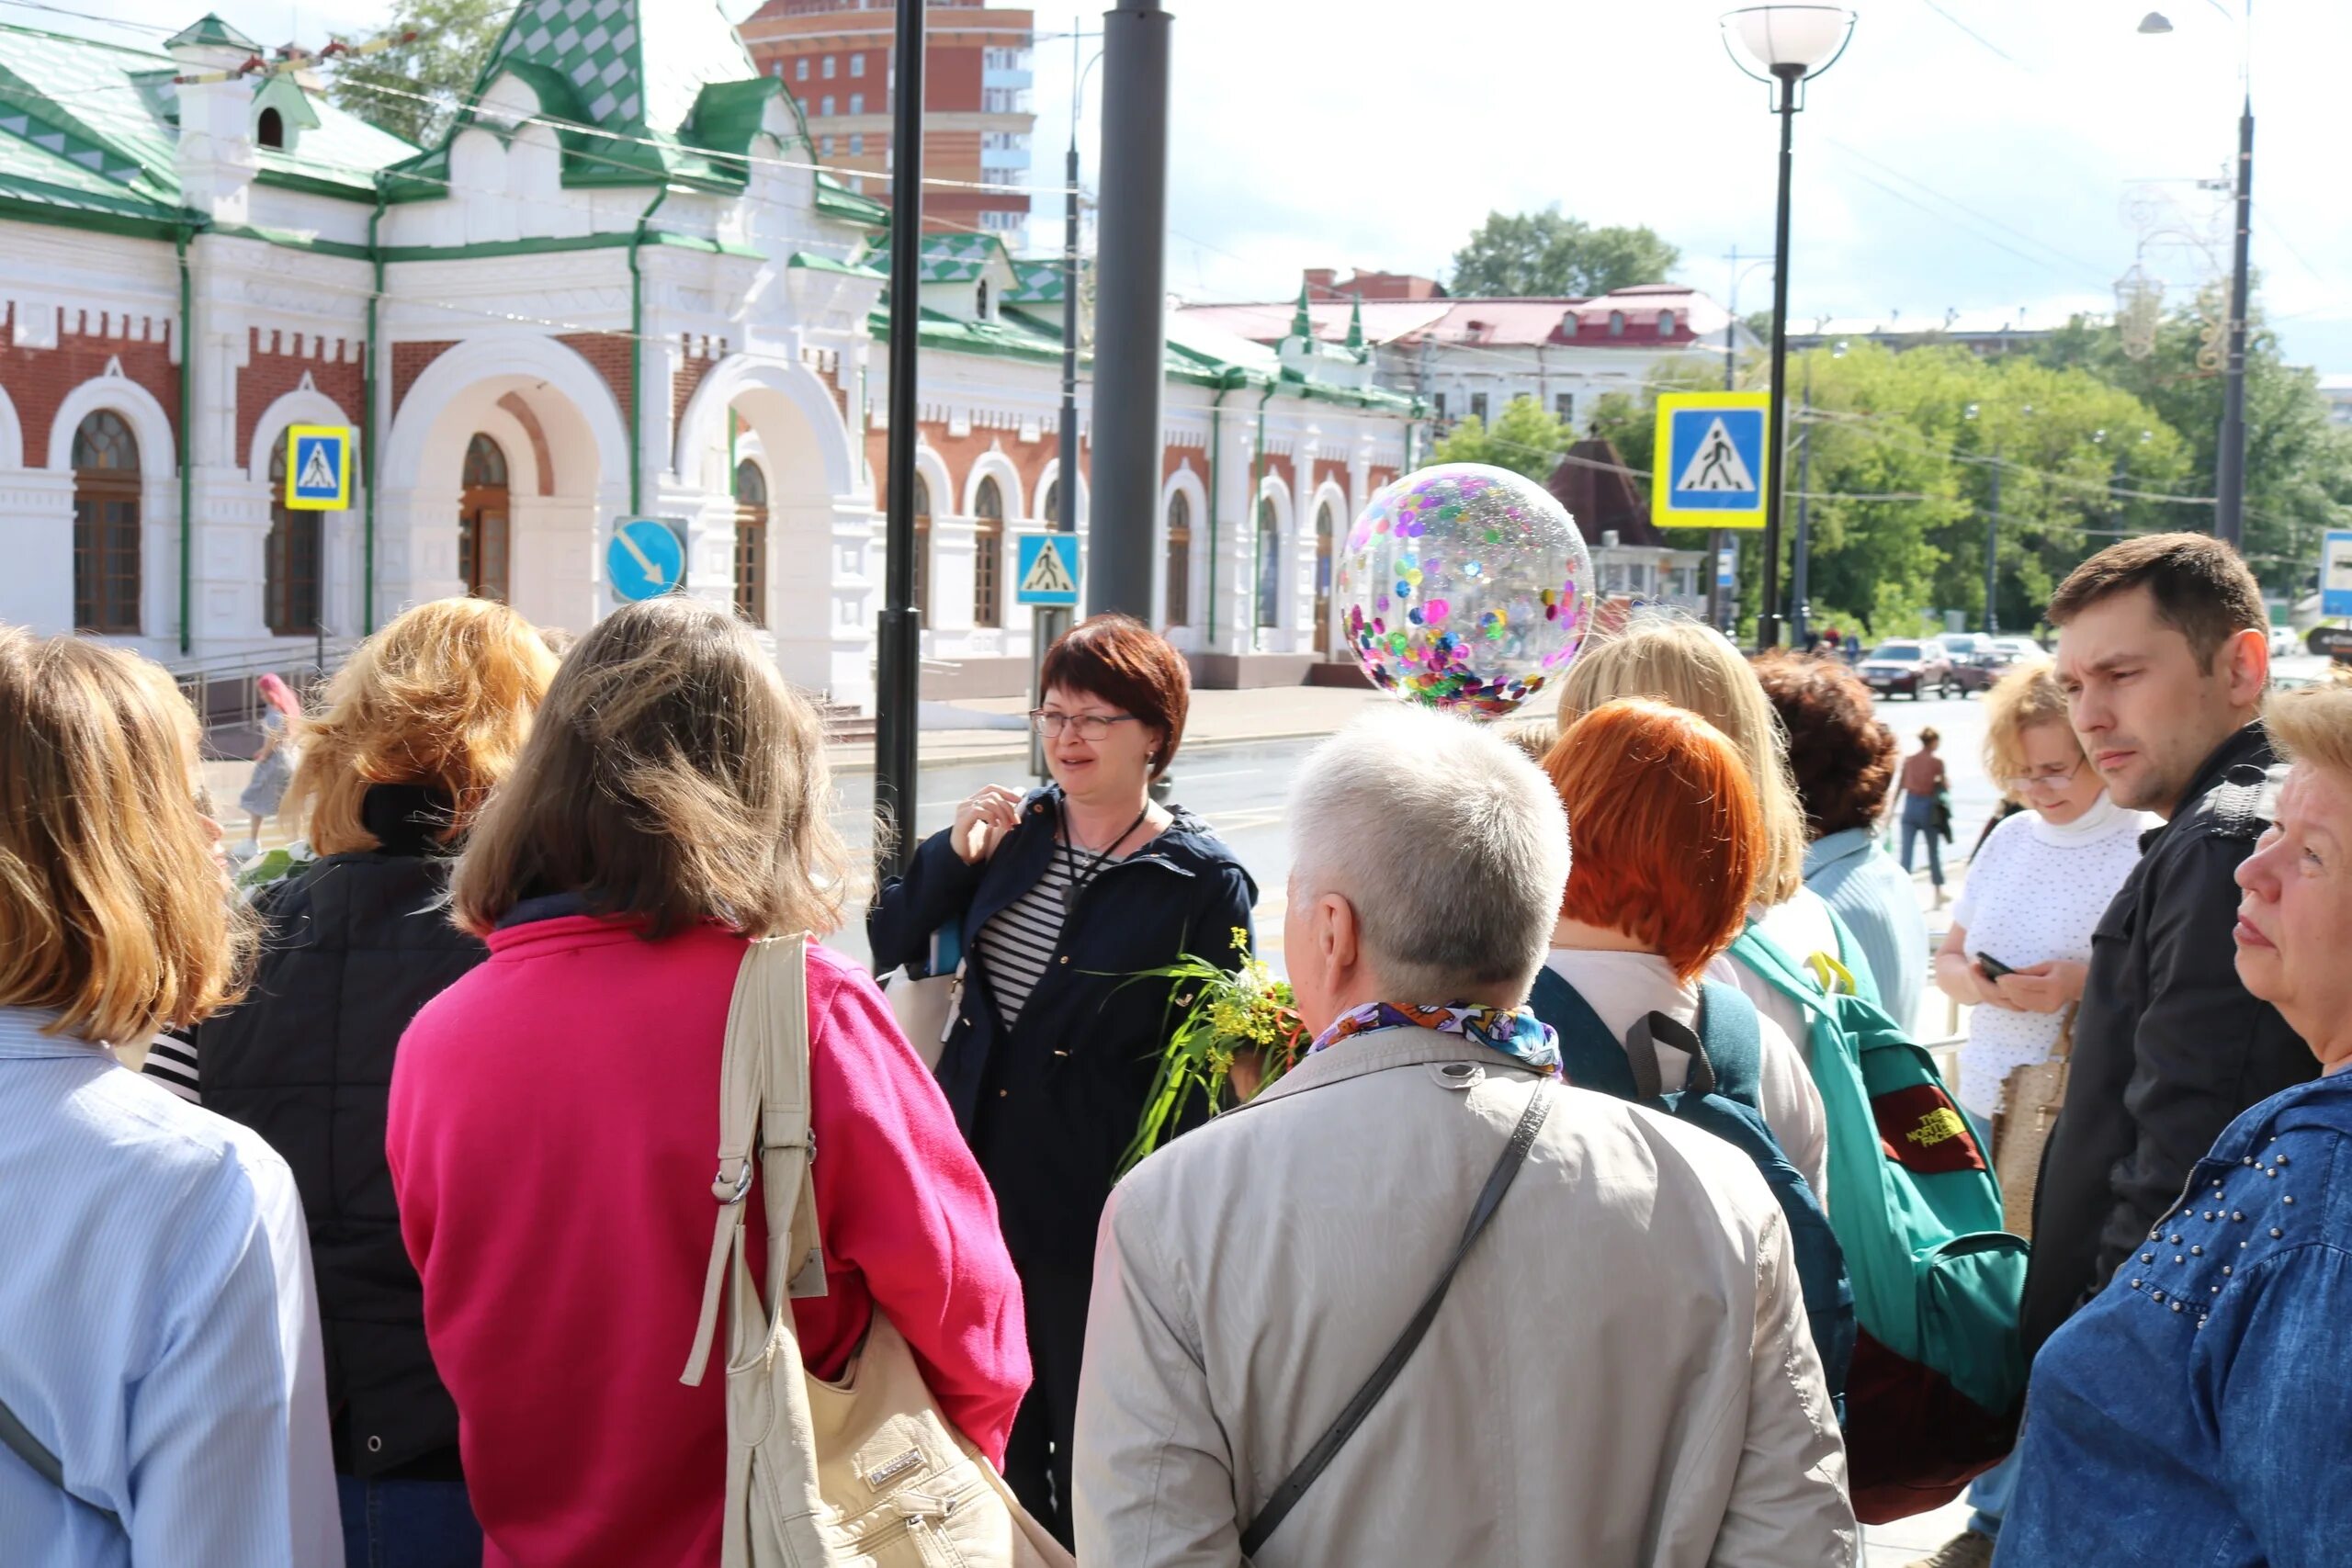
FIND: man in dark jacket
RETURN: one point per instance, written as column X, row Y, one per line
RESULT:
column 2164, row 656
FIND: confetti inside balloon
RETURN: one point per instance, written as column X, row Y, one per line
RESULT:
column 1464, row 587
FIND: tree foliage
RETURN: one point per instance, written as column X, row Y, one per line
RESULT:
column 414, row 89
column 1900, row 487
column 1526, row 439
column 1546, row 254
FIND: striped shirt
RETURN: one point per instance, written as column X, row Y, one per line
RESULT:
column 171, row 1061
column 1018, row 942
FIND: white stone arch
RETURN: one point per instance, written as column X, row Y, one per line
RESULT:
column 11, row 434
column 338, row 552
column 741, row 375
column 1272, row 488
column 303, row 405
column 1326, row 493
column 159, row 508
column 1187, row 482
column 1046, row 478
column 933, row 468
column 994, row 463
column 557, row 568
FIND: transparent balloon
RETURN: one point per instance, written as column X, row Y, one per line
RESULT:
column 1464, row 587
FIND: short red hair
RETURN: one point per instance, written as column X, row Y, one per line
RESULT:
column 1129, row 665
column 1665, row 831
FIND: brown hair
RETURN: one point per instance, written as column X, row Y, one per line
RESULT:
column 672, row 777
column 112, row 909
column 2026, row 696
column 1129, row 665
column 2201, row 588
column 442, row 695
column 1842, row 753
column 1667, row 832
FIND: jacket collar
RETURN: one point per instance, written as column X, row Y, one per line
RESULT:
column 1187, row 848
column 1378, row 1052
column 2249, row 746
column 24, row 1034
column 1831, row 848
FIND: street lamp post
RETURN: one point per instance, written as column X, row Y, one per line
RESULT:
column 1066, row 498
column 2229, row 455
column 1784, row 45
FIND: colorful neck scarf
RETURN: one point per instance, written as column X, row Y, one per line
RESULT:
column 1517, row 1032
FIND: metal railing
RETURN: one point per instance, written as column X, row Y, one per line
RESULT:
column 225, row 689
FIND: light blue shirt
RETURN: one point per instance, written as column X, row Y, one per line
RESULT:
column 158, row 1329
column 1875, row 899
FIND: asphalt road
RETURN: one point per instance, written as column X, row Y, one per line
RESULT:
column 1241, row 791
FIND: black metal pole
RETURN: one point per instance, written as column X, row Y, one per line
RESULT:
column 898, row 652
column 1801, row 573
column 1066, row 495
column 1768, row 616
column 1716, row 608
column 1993, row 550
column 1130, row 292
column 2229, row 460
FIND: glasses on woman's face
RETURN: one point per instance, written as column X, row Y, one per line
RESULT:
column 2049, row 776
column 1051, row 721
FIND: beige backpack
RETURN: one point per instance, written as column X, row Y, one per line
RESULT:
column 865, row 1472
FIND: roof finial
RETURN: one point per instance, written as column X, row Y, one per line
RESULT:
column 1355, row 327
column 1302, row 324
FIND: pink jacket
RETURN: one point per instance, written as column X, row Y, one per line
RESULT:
column 554, row 1125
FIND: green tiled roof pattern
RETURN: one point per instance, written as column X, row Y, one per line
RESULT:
column 947, row 258
column 1040, row 283
column 211, row 29
column 75, row 98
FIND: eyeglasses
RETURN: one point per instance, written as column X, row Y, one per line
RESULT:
column 1089, row 725
column 2043, row 778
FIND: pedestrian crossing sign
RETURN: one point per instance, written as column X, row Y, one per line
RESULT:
column 1710, row 469
column 317, row 468
column 1048, row 570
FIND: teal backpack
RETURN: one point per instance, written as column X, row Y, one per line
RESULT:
column 1722, row 1095
column 1939, row 1372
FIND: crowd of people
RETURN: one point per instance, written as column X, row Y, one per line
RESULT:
column 390, row 1254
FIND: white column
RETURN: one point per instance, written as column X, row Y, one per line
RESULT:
column 37, row 540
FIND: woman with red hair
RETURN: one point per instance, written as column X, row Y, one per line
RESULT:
column 1667, row 841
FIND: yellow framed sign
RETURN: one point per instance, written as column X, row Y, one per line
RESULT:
column 318, row 467
column 1711, row 467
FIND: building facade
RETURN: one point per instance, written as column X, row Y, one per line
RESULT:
column 616, row 287
column 835, row 56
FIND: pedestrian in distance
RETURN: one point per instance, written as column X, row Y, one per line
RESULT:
column 1257, row 1271
column 1696, row 668
column 265, row 792
column 2164, row 653
column 423, row 723
column 1842, row 757
column 2200, row 1398
column 554, row 1112
column 1925, row 784
column 2017, row 953
column 1055, row 899
column 162, row 1383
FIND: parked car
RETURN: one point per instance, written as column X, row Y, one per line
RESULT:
column 2284, row 642
column 1909, row 664
column 1994, row 657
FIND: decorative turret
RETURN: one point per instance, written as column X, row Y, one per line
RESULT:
column 210, row 44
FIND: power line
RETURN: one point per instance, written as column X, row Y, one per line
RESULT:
column 1982, row 218
column 1980, row 38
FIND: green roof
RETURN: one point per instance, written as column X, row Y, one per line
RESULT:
column 211, row 30
column 1040, row 283
column 947, row 258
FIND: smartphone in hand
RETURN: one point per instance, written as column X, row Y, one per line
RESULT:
column 1994, row 968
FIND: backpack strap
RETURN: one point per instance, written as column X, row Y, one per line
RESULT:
column 1590, row 1058
column 1773, row 966
column 18, row 1438
column 763, row 1117
column 1734, row 1042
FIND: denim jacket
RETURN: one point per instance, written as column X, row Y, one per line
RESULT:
column 2194, row 1412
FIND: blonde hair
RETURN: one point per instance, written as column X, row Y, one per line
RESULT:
column 1695, row 668
column 2026, row 696
column 443, row 695
column 113, row 912
column 2313, row 725
column 672, row 777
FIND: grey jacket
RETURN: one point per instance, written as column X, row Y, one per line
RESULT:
column 1621, row 1375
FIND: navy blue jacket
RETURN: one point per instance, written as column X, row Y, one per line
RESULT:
column 1049, row 1106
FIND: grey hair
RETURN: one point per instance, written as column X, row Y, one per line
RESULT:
column 1448, row 843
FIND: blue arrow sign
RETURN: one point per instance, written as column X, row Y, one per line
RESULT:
column 1048, row 570
column 646, row 558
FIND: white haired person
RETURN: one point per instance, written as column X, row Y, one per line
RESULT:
column 1616, row 1365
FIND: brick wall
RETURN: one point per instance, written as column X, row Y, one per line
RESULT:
column 409, row 361
column 687, row 379
column 608, row 355
column 39, row 379
column 831, row 376
column 524, row 415
column 269, row 377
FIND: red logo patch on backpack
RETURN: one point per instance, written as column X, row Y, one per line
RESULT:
column 1921, row 1129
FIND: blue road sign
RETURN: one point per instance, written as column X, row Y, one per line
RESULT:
column 2335, row 574
column 1710, row 469
column 318, row 477
column 1048, row 570
column 647, row 558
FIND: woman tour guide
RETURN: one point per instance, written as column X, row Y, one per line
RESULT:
column 1057, row 897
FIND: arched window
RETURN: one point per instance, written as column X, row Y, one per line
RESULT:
column 1180, row 559
column 982, row 300
column 1666, row 324
column 481, row 521
column 1323, row 524
column 751, row 543
column 270, row 129
column 1050, row 509
column 923, row 548
column 1270, row 565
column 987, row 554
column 106, row 526
column 289, row 558
column 1616, row 324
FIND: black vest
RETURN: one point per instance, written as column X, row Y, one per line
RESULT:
column 354, row 946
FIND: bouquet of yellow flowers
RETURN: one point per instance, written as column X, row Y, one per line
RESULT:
column 1245, row 1014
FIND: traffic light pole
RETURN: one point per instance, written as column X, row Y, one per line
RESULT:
column 898, row 649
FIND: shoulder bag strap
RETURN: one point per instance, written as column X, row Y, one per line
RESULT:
column 1285, row 1497
column 1735, row 1043
column 18, row 1438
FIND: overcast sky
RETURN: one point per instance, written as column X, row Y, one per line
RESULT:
column 1979, row 155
